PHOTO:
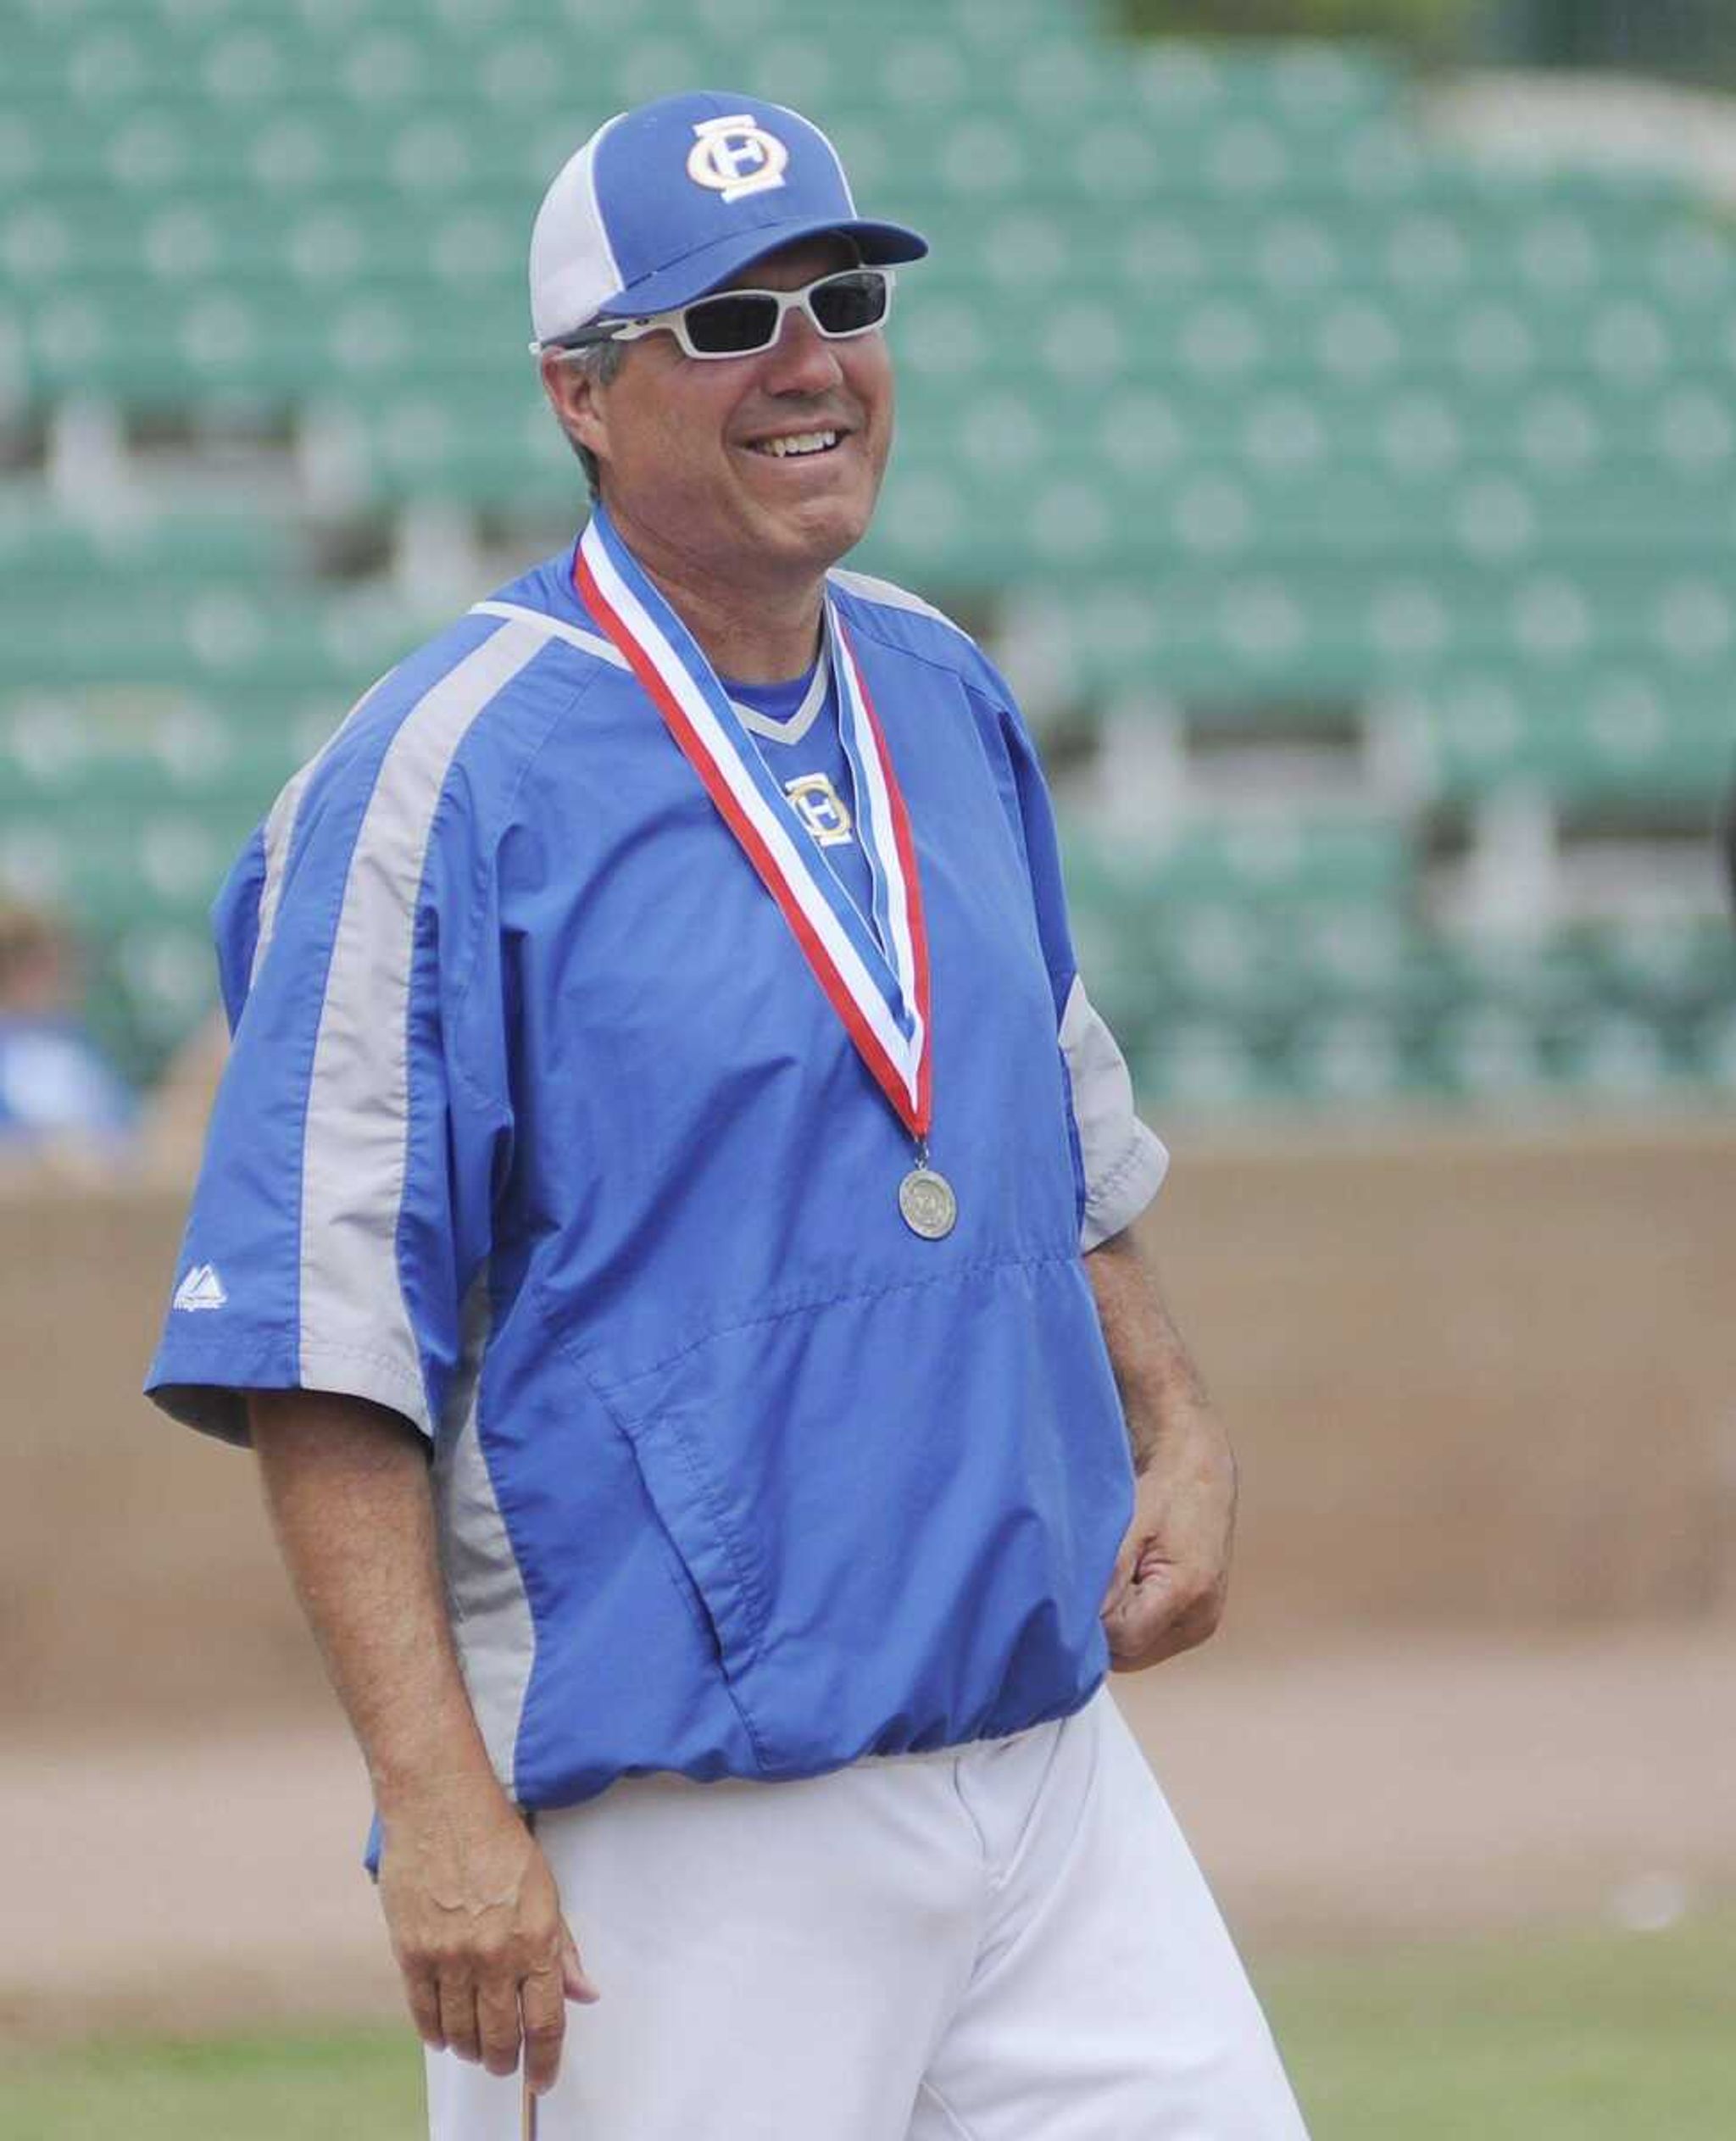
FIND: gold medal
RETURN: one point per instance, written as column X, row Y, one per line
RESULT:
column 926, row 1200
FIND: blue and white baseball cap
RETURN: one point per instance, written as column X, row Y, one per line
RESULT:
column 668, row 201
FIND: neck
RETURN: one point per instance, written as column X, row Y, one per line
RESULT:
column 762, row 632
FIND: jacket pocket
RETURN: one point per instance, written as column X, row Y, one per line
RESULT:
column 714, row 1569
column 899, row 1508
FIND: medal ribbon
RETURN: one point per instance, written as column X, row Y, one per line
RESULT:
column 876, row 979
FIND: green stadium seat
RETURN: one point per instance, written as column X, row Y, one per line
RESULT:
column 1197, row 1066
column 1347, row 1058
column 1613, row 1054
column 1348, row 953
column 1711, row 1049
column 42, row 546
column 926, row 73
column 1545, row 981
column 487, row 450
column 1305, row 86
column 1488, row 1051
column 1691, row 261
column 1248, row 859
column 1062, row 76
column 220, row 638
column 1664, row 970
column 1335, row 418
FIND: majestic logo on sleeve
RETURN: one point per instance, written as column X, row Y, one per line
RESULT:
column 737, row 156
column 201, row 1289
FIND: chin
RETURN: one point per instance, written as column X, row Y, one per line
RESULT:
column 826, row 528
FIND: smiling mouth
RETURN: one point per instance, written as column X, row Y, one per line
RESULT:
column 796, row 446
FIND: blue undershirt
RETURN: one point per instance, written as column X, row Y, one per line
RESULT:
column 810, row 757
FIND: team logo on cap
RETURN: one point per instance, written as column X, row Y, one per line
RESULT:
column 737, row 156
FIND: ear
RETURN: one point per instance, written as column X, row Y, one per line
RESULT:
column 575, row 398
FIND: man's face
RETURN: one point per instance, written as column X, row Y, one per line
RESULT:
column 683, row 441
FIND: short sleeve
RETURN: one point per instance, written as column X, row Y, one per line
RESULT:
column 1123, row 1161
column 342, row 1208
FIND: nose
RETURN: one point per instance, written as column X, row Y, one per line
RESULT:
column 802, row 361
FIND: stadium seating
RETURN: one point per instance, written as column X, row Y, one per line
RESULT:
column 1238, row 409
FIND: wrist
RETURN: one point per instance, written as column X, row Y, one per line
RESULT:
column 441, row 1783
column 1185, row 1437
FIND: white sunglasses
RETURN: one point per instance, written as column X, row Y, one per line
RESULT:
column 741, row 322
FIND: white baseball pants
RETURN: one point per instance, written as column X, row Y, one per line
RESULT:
column 1004, row 1942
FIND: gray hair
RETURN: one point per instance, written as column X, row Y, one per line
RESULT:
column 601, row 362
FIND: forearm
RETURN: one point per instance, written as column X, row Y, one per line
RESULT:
column 1163, row 1396
column 348, row 1487
column 1172, row 1573
column 471, row 1905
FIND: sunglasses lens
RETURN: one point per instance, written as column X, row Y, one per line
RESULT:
column 732, row 323
column 850, row 303
column 736, row 323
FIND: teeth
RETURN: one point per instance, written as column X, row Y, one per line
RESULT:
column 802, row 442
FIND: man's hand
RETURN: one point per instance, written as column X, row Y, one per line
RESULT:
column 475, row 1923
column 1172, row 1572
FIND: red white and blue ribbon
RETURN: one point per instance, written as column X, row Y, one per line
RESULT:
column 875, row 974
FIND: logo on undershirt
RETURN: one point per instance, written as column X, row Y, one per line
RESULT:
column 820, row 809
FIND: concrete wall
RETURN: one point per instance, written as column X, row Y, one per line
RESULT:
column 1477, row 1380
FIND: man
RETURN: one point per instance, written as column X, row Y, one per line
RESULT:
column 1727, row 835
column 57, row 1091
column 644, row 1214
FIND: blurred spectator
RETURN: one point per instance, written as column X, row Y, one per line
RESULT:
column 55, row 1085
column 1728, row 831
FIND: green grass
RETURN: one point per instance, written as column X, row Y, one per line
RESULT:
column 1615, row 2036
column 1612, row 2037
column 359, row 2085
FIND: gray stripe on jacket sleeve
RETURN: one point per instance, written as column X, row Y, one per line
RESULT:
column 280, row 835
column 491, row 1612
column 356, row 1332
column 1125, row 1163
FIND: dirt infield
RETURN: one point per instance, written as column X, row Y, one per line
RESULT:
column 1360, row 1791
